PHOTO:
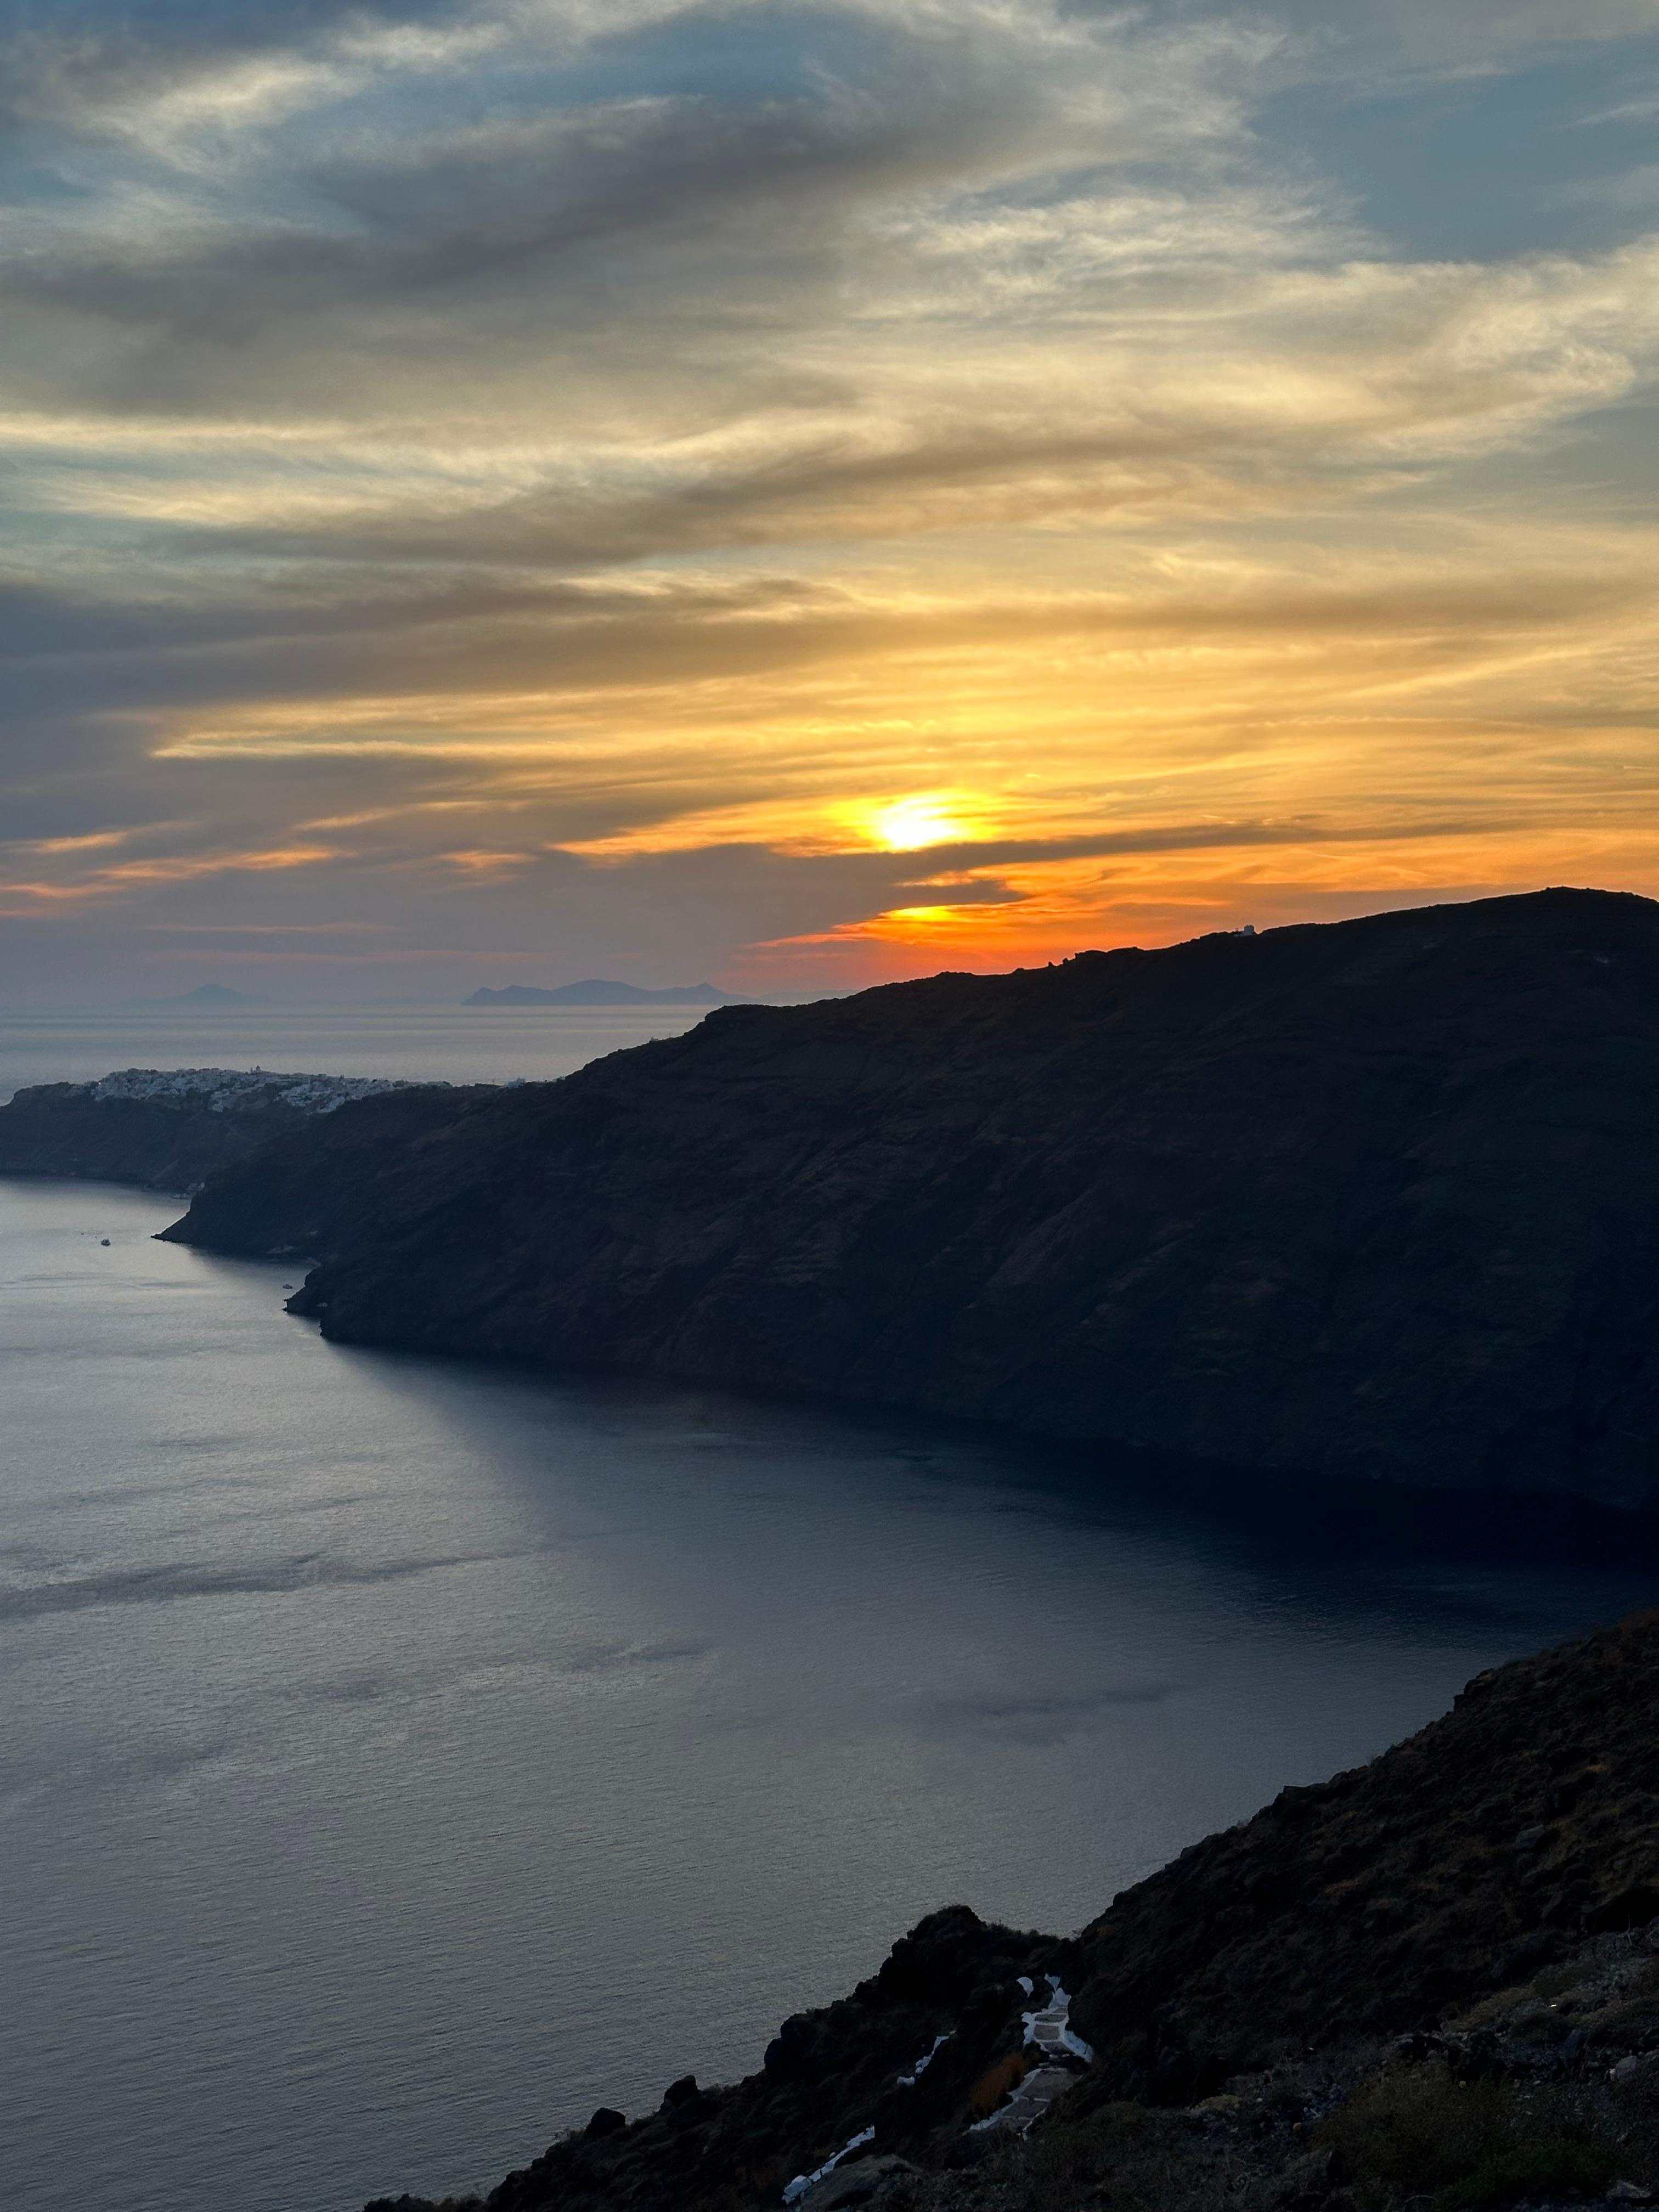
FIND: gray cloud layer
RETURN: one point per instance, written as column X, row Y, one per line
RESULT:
column 437, row 437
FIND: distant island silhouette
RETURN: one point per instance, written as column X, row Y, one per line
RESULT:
column 209, row 996
column 597, row 993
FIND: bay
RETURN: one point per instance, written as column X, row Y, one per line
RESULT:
column 399, row 1759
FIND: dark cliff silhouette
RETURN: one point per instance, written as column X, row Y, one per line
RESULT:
column 1377, row 1198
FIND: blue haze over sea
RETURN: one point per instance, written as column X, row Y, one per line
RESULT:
column 398, row 1758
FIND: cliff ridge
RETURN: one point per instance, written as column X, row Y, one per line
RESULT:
column 1372, row 1199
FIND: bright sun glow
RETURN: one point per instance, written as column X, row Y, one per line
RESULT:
column 909, row 824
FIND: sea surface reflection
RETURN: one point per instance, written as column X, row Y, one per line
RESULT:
column 401, row 1759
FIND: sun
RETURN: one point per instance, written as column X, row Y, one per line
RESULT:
column 909, row 824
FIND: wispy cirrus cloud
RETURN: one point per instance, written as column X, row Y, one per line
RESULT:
column 530, row 475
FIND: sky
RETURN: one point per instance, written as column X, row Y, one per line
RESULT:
column 799, row 493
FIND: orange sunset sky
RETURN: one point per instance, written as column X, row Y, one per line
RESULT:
column 802, row 495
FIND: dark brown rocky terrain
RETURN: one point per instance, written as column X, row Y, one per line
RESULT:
column 1374, row 1200
column 1430, row 1981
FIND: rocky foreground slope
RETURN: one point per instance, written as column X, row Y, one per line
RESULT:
column 1379, row 1199
column 169, row 1129
column 1432, row 1980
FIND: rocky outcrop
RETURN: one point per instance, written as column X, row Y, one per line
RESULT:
column 898, row 2061
column 1462, row 1860
column 1374, row 1200
column 167, row 1129
column 1401, row 1916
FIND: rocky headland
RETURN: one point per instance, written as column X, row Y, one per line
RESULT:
column 1375, row 1200
column 1432, row 1981
column 167, row 1129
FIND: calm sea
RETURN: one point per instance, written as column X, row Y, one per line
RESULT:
column 401, row 1759
column 453, row 1044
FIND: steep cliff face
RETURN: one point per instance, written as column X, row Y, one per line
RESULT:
column 167, row 1129
column 1460, row 1861
column 1489, row 1889
column 1379, row 1199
